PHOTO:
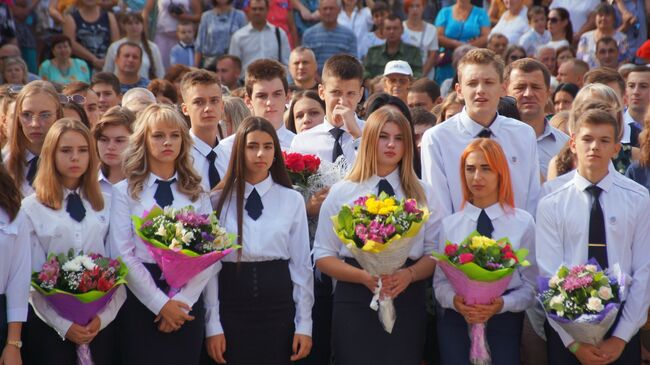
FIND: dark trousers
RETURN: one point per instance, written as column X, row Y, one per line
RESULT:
column 503, row 332
column 321, row 314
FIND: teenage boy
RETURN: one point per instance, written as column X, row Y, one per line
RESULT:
column 537, row 35
column 203, row 104
column 637, row 95
column 603, row 215
column 266, row 96
column 480, row 85
column 107, row 87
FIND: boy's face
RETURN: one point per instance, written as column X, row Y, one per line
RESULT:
column 185, row 33
column 538, row 23
column 420, row 100
column 204, row 105
column 107, row 96
column 480, row 87
column 336, row 91
column 267, row 100
column 498, row 45
column 594, row 145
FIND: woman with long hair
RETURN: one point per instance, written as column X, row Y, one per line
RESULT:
column 111, row 136
column 306, row 111
column 37, row 107
column 559, row 25
column 133, row 26
column 384, row 164
column 488, row 207
column 563, row 96
column 15, row 270
column 259, row 310
column 67, row 211
column 158, row 170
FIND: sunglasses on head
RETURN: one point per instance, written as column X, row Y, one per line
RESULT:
column 76, row 98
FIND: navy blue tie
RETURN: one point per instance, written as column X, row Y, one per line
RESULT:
column 213, row 174
column 164, row 196
column 254, row 205
column 485, row 133
column 337, row 150
column 31, row 172
column 385, row 187
column 597, row 236
column 484, row 225
column 75, row 207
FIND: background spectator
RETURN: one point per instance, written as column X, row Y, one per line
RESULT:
column 422, row 35
column 215, row 29
column 605, row 17
column 14, row 71
column 513, row 23
column 560, row 27
column 61, row 67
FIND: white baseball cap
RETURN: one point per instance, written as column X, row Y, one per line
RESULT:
column 398, row 67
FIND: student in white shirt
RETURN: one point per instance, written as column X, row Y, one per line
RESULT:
column 489, row 208
column 384, row 164
column 480, row 76
column 159, row 171
column 15, row 270
column 67, row 211
column 267, row 94
column 203, row 104
column 603, row 215
column 37, row 107
column 111, row 136
column 258, row 308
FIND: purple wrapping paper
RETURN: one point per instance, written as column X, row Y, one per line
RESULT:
column 72, row 309
column 474, row 292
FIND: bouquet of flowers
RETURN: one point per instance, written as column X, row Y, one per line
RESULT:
column 78, row 287
column 300, row 167
column 378, row 232
column 183, row 242
column 583, row 300
column 480, row 269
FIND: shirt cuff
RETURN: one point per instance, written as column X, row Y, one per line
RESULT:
column 157, row 302
column 304, row 328
column 625, row 330
column 17, row 314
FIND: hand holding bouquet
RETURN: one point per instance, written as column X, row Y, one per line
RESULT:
column 78, row 286
column 378, row 232
column 480, row 269
column 583, row 300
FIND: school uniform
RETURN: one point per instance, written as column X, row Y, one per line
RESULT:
column 443, row 145
column 616, row 210
column 31, row 167
column 322, row 141
column 264, row 296
column 58, row 231
column 147, row 289
column 357, row 334
column 15, row 272
column 207, row 162
column 105, row 184
column 503, row 330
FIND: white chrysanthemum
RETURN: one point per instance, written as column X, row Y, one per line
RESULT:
column 87, row 262
column 591, row 268
column 556, row 300
column 554, row 281
column 605, row 293
column 595, row 304
column 72, row 265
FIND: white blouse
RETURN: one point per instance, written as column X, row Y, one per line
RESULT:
column 280, row 233
column 54, row 231
column 124, row 242
column 15, row 265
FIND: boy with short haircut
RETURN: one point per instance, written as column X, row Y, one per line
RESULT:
column 480, row 85
column 183, row 52
column 537, row 35
column 422, row 121
column 424, row 93
column 203, row 104
column 107, row 87
column 603, row 215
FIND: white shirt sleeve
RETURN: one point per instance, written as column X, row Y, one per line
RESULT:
column 444, row 290
column 19, row 273
column 300, row 269
column 109, row 312
column 523, row 296
column 326, row 242
column 211, row 302
column 433, row 171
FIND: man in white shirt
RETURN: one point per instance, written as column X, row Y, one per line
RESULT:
column 480, row 76
column 203, row 104
column 637, row 94
column 598, row 214
column 259, row 39
column 529, row 82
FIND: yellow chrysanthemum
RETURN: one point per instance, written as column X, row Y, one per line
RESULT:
column 481, row 242
column 382, row 207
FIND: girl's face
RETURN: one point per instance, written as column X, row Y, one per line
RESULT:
column 91, row 106
column 164, row 142
column 133, row 29
column 452, row 110
column 111, row 144
column 14, row 74
column 555, row 22
column 259, row 154
column 307, row 113
column 481, row 179
column 515, row 55
column 390, row 147
column 36, row 115
column 378, row 18
column 562, row 101
column 62, row 50
column 416, row 9
column 72, row 157
column 564, row 56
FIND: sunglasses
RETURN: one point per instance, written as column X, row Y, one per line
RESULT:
column 553, row 20
column 76, row 98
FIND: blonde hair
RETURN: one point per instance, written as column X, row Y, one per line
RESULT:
column 366, row 162
column 15, row 61
column 17, row 140
column 561, row 121
column 136, row 164
column 48, row 183
column 596, row 93
column 235, row 111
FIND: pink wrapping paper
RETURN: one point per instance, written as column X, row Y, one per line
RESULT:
column 474, row 292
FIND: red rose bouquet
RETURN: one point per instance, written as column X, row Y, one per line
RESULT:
column 300, row 167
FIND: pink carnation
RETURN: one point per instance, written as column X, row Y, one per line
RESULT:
column 50, row 271
column 573, row 282
column 361, row 201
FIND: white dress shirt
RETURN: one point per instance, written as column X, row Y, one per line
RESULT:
column 443, row 145
column 518, row 226
column 15, row 265
column 54, row 231
column 554, row 184
column 563, row 235
column 124, row 242
column 225, row 146
column 200, row 151
column 549, row 144
column 250, row 44
column 513, row 28
column 105, row 184
column 344, row 192
column 280, row 233
column 627, row 129
column 320, row 142
column 359, row 22
column 25, row 188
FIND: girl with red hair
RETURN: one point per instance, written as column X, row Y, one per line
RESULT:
column 488, row 207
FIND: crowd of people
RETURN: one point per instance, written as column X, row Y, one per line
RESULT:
column 525, row 119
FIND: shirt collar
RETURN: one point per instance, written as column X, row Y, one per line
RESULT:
column 101, row 177
column 606, row 183
column 67, row 192
column 474, row 128
column 151, row 179
column 393, row 178
column 28, row 155
column 262, row 187
column 549, row 132
column 201, row 146
column 493, row 212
